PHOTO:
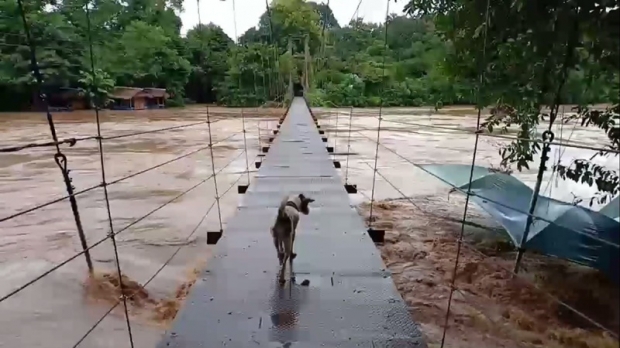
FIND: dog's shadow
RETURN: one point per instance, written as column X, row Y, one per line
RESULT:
column 286, row 304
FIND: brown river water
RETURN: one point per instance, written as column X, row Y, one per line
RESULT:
column 56, row 311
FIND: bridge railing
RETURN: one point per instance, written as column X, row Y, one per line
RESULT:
column 399, row 150
column 96, row 143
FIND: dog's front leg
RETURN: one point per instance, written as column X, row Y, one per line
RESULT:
column 293, row 254
column 295, row 221
column 277, row 245
column 290, row 260
column 287, row 244
column 290, row 268
column 281, row 273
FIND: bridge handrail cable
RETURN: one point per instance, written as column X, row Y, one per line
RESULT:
column 61, row 161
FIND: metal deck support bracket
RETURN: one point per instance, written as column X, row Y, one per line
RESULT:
column 330, row 149
column 275, row 131
column 278, row 126
column 324, row 139
column 271, row 139
column 377, row 236
column 214, row 236
column 321, row 132
column 337, row 164
column 241, row 189
column 265, row 149
column 317, row 126
column 257, row 164
column 351, row 188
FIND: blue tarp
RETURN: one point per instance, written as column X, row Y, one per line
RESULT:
column 612, row 209
column 570, row 232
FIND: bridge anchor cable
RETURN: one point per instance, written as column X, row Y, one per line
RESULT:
column 59, row 157
column 346, row 171
column 481, row 77
column 111, row 233
column 245, row 142
column 374, row 173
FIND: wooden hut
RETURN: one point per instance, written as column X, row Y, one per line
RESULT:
column 67, row 99
column 157, row 97
column 134, row 98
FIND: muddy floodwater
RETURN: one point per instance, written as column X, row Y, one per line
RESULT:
column 57, row 310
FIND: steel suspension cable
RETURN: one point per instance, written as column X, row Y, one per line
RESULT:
column 472, row 248
column 323, row 44
column 480, row 85
column 214, row 174
column 59, row 157
column 125, row 228
column 275, row 48
column 374, row 174
column 115, row 181
column 103, row 177
column 490, row 200
column 217, row 197
column 346, row 175
column 245, row 142
column 161, row 268
column 346, row 172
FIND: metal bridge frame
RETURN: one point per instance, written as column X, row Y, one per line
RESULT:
column 350, row 299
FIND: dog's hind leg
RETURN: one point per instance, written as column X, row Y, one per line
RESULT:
column 290, row 252
column 287, row 255
column 276, row 243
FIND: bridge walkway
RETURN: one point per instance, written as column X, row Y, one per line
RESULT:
column 351, row 300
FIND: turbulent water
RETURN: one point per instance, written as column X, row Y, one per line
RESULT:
column 57, row 310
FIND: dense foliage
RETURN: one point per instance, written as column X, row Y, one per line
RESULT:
column 138, row 43
column 537, row 56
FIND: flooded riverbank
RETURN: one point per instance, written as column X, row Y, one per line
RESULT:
column 55, row 309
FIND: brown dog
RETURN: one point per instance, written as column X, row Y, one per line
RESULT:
column 283, row 230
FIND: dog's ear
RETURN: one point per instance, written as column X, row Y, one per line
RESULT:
column 302, row 197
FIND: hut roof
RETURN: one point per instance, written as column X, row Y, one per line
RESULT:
column 125, row 92
column 157, row 92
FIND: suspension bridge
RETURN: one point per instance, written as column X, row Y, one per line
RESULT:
column 348, row 298
column 343, row 297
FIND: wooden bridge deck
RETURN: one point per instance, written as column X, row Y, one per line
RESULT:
column 351, row 300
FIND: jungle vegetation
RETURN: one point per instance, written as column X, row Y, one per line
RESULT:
column 526, row 57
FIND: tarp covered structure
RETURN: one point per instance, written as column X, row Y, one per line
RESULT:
column 570, row 232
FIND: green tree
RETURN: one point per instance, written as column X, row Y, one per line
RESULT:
column 537, row 53
column 208, row 50
column 326, row 16
column 96, row 86
column 149, row 59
